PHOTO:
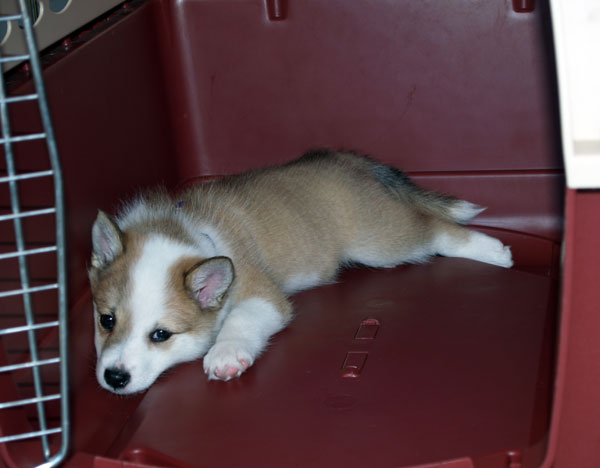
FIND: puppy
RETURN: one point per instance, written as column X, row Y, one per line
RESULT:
column 208, row 273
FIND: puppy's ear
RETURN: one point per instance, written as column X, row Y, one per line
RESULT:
column 210, row 280
column 107, row 241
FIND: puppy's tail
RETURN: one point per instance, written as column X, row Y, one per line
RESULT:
column 433, row 203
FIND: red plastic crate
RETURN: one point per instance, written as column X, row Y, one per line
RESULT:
column 451, row 364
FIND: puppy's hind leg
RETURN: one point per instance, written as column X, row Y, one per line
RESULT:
column 451, row 240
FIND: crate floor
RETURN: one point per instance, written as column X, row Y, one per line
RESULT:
column 417, row 364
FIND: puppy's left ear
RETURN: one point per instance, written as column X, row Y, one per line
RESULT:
column 107, row 241
column 210, row 280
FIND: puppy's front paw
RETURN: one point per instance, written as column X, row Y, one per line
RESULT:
column 227, row 359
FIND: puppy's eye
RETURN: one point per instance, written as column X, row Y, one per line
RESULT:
column 107, row 322
column 160, row 335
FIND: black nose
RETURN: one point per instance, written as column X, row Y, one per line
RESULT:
column 116, row 378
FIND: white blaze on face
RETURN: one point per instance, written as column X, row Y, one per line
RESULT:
column 148, row 302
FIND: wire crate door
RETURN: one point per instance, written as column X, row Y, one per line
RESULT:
column 34, row 418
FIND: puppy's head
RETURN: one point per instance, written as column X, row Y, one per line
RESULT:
column 157, row 302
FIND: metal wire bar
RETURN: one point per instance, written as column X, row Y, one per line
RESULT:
column 35, row 364
column 14, row 58
column 41, row 250
column 31, row 435
column 20, row 138
column 36, row 70
column 24, row 214
column 24, row 97
column 27, row 291
column 37, row 326
column 31, row 175
column 10, row 17
column 28, row 401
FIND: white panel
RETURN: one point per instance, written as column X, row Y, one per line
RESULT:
column 577, row 42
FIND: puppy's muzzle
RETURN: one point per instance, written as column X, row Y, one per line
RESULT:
column 116, row 378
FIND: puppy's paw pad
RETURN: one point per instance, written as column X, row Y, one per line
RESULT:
column 225, row 361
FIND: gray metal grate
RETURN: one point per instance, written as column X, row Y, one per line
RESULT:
column 51, row 434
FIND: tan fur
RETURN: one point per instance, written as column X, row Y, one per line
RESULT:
column 306, row 218
column 109, row 290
